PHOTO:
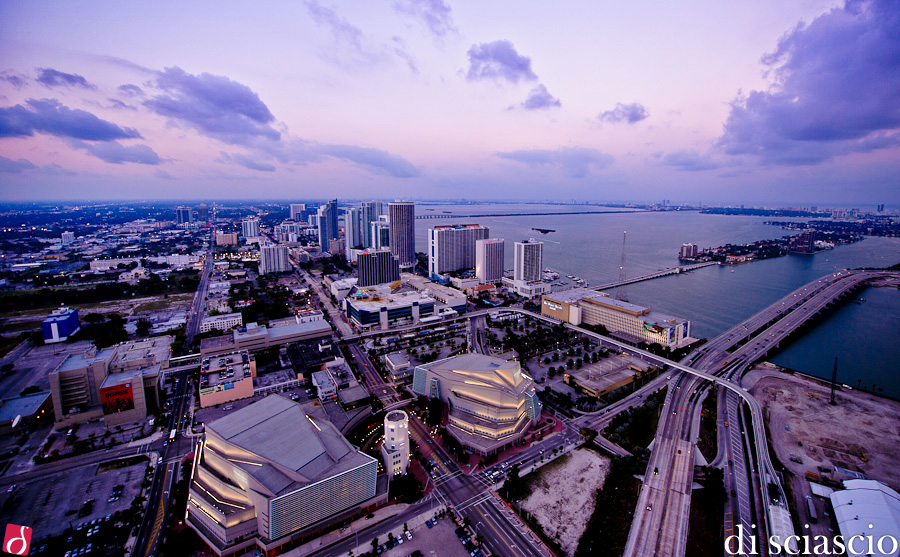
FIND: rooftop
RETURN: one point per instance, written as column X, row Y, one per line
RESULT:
column 86, row 358
column 21, row 406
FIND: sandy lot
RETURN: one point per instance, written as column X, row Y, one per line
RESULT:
column 562, row 498
column 831, row 435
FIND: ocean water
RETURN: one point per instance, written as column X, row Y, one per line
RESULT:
column 861, row 335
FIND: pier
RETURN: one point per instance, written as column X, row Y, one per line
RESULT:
column 665, row 272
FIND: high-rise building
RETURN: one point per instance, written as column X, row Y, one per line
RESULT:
column 689, row 250
column 328, row 224
column 452, row 248
column 182, row 215
column 529, row 261
column 353, row 237
column 377, row 267
column 203, row 212
column 68, row 238
column 380, row 234
column 223, row 239
column 402, row 226
column 297, row 211
column 395, row 447
column 489, row 260
column 369, row 213
column 250, row 227
column 273, row 259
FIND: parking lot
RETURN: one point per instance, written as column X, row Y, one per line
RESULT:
column 439, row 541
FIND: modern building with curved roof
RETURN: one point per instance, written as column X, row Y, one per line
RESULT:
column 491, row 402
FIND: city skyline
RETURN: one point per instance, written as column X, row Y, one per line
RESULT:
column 725, row 104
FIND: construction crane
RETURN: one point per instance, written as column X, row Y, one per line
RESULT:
column 620, row 291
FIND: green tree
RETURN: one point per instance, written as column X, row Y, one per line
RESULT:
column 143, row 327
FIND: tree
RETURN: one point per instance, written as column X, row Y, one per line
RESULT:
column 588, row 434
column 143, row 327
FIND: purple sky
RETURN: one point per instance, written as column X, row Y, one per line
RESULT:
column 734, row 102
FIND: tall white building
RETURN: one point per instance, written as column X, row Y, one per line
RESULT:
column 68, row 238
column 402, row 226
column 250, row 227
column 352, row 232
column 379, row 234
column 297, row 210
column 529, row 261
column 452, row 248
column 489, row 260
column 273, row 259
column 369, row 213
column 395, row 448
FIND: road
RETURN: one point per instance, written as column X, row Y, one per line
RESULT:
column 198, row 306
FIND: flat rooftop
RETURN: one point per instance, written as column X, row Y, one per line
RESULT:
column 392, row 301
column 81, row 361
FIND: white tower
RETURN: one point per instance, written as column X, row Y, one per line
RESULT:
column 395, row 448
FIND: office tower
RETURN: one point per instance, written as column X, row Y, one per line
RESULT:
column 689, row 250
column 68, row 238
column 452, row 248
column 353, row 236
column 377, row 267
column 489, row 260
column 529, row 261
column 402, row 226
column 395, row 447
column 380, row 234
column 328, row 224
column 369, row 213
column 297, row 210
column 273, row 259
column 250, row 227
column 182, row 215
column 202, row 213
column 335, row 247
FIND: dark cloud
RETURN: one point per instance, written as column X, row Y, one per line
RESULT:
column 116, row 103
column 628, row 113
column 51, row 117
column 343, row 30
column 213, row 105
column 574, row 161
column 836, row 90
column 689, row 160
column 16, row 80
column 539, row 98
column 401, row 51
column 130, row 90
column 247, row 162
column 434, row 13
column 54, row 78
column 10, row 166
column 499, row 60
column 116, row 153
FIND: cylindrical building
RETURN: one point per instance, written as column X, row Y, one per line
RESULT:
column 395, row 448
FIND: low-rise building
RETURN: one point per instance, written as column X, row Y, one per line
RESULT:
column 382, row 309
column 257, row 337
column 598, row 379
column 60, row 325
column 491, row 403
column 398, row 366
column 226, row 378
column 221, row 322
column 326, row 387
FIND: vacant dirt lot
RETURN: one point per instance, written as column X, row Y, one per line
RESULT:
column 563, row 495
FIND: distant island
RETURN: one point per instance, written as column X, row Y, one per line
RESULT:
column 544, row 230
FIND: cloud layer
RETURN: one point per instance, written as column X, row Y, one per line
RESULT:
column 575, row 162
column 52, row 117
column 498, row 60
column 836, row 90
column 53, row 78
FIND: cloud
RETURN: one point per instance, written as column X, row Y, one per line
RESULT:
column 130, row 90
column 51, row 117
column 247, row 162
column 498, row 60
column 434, row 13
column 343, row 30
column 401, row 51
column 836, row 90
column 16, row 80
column 574, row 161
column 213, row 105
column 539, row 98
column 116, row 153
column 302, row 152
column 53, row 78
column 689, row 160
column 10, row 166
column 628, row 113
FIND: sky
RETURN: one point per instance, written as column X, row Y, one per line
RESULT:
column 757, row 102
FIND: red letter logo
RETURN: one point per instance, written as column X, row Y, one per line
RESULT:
column 17, row 539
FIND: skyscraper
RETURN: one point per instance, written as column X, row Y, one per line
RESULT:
column 529, row 261
column 452, row 248
column 250, row 227
column 369, row 213
column 182, row 215
column 402, row 226
column 377, row 267
column 203, row 212
column 379, row 234
column 68, row 237
column 489, row 260
column 297, row 211
column 328, row 224
column 395, row 447
column 273, row 259
column 352, row 230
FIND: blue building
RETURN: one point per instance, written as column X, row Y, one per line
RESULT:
column 60, row 325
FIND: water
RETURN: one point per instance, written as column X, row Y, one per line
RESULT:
column 714, row 298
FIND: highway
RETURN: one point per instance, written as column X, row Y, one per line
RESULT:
column 198, row 306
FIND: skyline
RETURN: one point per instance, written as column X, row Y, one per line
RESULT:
column 424, row 99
